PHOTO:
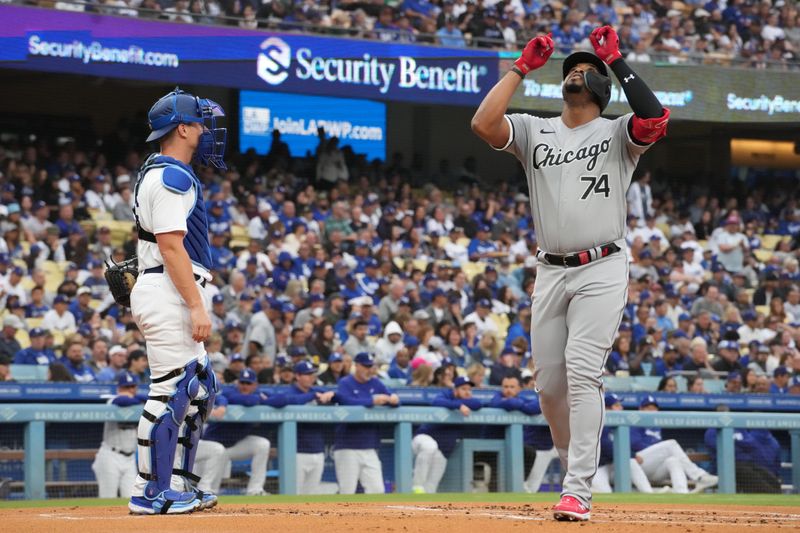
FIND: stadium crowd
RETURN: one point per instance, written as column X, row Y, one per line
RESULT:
column 327, row 256
column 743, row 32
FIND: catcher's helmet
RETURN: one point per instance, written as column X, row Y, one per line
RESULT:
column 599, row 85
column 179, row 107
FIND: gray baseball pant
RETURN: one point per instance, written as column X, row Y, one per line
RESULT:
column 576, row 314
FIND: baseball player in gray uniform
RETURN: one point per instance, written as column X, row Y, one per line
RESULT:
column 578, row 167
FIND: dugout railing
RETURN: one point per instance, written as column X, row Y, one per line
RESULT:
column 34, row 417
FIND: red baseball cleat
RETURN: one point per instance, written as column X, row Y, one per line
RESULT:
column 571, row 509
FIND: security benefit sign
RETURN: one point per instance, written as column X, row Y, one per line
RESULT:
column 376, row 70
column 358, row 123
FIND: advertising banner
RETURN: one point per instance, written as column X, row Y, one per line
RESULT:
column 358, row 123
column 82, row 43
column 691, row 92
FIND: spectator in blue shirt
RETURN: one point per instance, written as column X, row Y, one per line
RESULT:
column 75, row 362
column 670, row 362
column 36, row 353
column 400, row 367
column 222, row 258
column 780, row 381
column 449, row 35
column 481, row 247
column 117, row 356
column 37, row 307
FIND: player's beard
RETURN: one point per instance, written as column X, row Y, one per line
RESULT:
column 571, row 87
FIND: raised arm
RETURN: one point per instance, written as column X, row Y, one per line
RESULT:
column 650, row 118
column 489, row 121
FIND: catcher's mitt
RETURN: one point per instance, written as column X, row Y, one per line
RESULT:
column 121, row 278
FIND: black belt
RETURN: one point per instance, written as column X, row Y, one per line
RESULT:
column 581, row 258
column 126, row 454
column 160, row 270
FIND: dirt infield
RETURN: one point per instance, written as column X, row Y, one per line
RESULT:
column 402, row 518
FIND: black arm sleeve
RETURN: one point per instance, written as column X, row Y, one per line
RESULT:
column 642, row 100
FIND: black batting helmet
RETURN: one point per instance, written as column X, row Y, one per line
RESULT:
column 598, row 84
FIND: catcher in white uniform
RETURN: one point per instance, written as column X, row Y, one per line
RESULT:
column 114, row 465
column 579, row 166
column 169, row 302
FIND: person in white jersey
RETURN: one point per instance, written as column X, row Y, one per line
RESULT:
column 114, row 465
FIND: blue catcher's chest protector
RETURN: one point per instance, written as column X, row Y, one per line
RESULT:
column 180, row 178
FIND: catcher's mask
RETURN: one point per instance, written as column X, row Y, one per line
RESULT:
column 179, row 107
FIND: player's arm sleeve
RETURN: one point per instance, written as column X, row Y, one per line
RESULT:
column 443, row 401
column 637, row 440
column 299, row 399
column 643, row 102
column 237, row 398
column 710, row 438
column 275, row 400
column 606, row 448
column 531, row 407
column 346, row 397
column 473, row 403
column 220, row 401
column 125, row 401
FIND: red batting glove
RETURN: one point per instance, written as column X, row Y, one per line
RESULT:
column 608, row 51
column 535, row 54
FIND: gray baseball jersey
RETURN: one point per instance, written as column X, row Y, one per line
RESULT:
column 577, row 178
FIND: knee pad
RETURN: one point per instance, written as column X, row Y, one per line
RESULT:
column 161, row 438
column 201, row 389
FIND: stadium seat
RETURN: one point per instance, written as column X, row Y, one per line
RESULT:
column 239, row 233
column 503, row 324
column 472, row 269
column 763, row 255
column 762, row 309
column 769, row 241
column 22, row 338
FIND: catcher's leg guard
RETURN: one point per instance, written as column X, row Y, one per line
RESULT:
column 164, row 413
column 202, row 390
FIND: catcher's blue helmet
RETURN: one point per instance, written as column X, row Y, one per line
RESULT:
column 179, row 107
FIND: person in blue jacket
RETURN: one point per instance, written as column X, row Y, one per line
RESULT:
column 605, row 472
column 36, row 353
column 665, row 459
column 239, row 439
column 434, row 443
column 539, row 449
column 757, row 456
column 310, row 456
column 355, row 453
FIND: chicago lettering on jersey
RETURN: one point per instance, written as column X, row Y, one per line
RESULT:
column 545, row 155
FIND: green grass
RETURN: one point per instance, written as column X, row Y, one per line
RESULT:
column 543, row 498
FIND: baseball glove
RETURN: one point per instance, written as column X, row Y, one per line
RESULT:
column 121, row 278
